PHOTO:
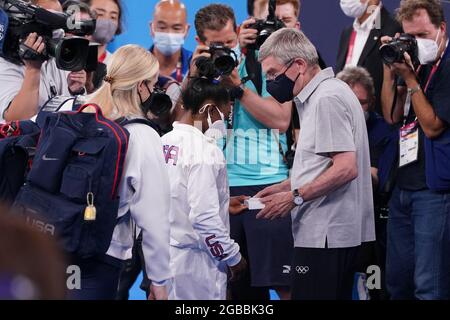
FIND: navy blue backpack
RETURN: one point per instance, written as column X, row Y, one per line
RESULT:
column 71, row 191
column 18, row 141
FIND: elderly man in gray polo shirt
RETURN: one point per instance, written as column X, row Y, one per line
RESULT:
column 330, row 191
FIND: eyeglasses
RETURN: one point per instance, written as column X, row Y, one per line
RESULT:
column 276, row 75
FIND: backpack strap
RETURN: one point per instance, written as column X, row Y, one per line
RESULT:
column 124, row 122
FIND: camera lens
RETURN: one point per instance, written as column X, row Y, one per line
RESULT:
column 390, row 54
column 70, row 54
column 225, row 64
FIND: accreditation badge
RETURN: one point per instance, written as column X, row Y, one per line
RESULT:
column 409, row 144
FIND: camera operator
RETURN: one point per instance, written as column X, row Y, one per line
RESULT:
column 84, row 13
column 418, row 241
column 268, row 245
column 109, row 24
column 25, row 88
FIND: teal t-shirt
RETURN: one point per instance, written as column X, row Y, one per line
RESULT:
column 252, row 152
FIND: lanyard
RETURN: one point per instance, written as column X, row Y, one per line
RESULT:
column 179, row 71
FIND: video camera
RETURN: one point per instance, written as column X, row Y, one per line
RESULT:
column 266, row 27
column 394, row 51
column 23, row 18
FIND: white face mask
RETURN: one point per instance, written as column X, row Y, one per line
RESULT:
column 354, row 8
column 428, row 49
column 237, row 51
column 218, row 129
column 168, row 43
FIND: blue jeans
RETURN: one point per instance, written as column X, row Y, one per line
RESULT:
column 418, row 250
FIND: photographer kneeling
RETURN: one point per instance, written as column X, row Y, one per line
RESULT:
column 28, row 84
column 418, row 263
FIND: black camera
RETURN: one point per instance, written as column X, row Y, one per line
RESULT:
column 394, row 51
column 222, row 62
column 223, row 58
column 71, row 54
column 266, row 27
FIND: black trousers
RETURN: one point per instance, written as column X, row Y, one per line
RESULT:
column 323, row 274
column 131, row 272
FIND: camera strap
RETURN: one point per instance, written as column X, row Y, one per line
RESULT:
column 283, row 154
column 280, row 147
column 254, row 70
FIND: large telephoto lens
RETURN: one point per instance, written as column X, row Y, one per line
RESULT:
column 71, row 54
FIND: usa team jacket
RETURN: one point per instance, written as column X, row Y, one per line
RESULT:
column 144, row 201
column 199, row 211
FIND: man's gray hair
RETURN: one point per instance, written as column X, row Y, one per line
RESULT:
column 288, row 44
column 358, row 75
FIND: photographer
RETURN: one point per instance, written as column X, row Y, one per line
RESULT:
column 268, row 245
column 84, row 13
column 27, row 85
column 418, row 240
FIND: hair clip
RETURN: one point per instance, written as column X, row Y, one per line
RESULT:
column 108, row 79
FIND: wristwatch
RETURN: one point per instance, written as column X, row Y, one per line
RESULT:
column 236, row 93
column 298, row 200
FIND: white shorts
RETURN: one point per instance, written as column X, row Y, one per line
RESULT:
column 196, row 276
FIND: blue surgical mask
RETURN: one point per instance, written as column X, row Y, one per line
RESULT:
column 168, row 43
column 282, row 88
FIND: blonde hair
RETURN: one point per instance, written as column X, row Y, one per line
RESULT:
column 118, row 96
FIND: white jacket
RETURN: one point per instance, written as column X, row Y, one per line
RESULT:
column 199, row 212
column 145, row 193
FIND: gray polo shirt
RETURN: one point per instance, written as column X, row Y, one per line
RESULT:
column 53, row 82
column 332, row 120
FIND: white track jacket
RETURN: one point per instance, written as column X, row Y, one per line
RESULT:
column 145, row 194
column 199, row 208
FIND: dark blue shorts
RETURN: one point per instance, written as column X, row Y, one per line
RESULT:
column 267, row 245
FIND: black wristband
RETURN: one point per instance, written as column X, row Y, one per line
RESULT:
column 236, row 93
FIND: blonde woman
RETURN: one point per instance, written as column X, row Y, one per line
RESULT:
column 144, row 190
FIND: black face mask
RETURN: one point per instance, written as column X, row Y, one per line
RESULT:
column 158, row 103
column 282, row 88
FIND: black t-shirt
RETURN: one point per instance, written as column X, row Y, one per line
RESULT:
column 412, row 177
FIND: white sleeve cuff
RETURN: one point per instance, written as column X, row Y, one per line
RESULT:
column 160, row 283
column 235, row 260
